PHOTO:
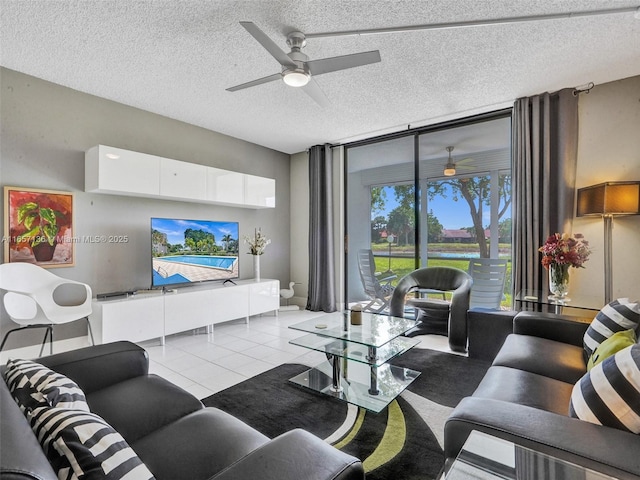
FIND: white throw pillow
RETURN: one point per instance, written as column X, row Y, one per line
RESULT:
column 621, row 314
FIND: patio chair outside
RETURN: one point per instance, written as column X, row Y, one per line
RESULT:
column 377, row 287
column 489, row 276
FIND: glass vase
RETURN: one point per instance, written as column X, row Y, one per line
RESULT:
column 256, row 267
column 559, row 281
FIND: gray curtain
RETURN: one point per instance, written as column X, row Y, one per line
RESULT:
column 545, row 142
column 321, row 246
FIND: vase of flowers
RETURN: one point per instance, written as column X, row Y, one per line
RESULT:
column 559, row 281
column 257, row 245
column 559, row 253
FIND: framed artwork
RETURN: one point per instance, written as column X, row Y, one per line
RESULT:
column 38, row 227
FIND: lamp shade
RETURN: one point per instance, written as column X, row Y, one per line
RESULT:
column 609, row 198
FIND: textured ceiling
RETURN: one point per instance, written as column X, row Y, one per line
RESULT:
column 176, row 58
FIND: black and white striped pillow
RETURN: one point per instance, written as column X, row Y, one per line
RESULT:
column 34, row 385
column 82, row 445
column 617, row 316
column 609, row 393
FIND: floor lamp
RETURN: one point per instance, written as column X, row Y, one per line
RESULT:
column 607, row 200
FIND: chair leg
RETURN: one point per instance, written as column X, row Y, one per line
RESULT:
column 93, row 342
column 6, row 337
column 49, row 333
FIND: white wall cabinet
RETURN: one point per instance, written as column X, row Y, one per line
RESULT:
column 122, row 172
column 147, row 316
column 182, row 180
column 113, row 170
column 225, row 187
column 259, row 191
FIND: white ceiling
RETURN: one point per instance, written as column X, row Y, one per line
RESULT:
column 176, row 58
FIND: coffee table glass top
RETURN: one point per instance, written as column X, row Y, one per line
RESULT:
column 376, row 330
column 356, row 351
column 487, row 457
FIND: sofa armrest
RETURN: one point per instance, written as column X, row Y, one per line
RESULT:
column 561, row 328
column 100, row 366
column 21, row 456
column 593, row 446
column 295, row 455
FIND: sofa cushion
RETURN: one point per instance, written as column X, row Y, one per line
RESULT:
column 525, row 388
column 140, row 405
column 80, row 444
column 33, row 385
column 184, row 449
column 611, row 346
column 609, row 394
column 621, row 314
column 545, row 357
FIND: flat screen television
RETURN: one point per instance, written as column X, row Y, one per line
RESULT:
column 192, row 251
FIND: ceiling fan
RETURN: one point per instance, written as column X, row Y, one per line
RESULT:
column 451, row 166
column 297, row 69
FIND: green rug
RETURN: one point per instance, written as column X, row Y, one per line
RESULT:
column 402, row 442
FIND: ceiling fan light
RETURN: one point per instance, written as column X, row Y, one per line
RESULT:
column 296, row 78
column 449, row 171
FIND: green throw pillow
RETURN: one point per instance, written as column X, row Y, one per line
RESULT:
column 611, row 346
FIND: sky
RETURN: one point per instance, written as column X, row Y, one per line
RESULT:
column 174, row 228
column 452, row 215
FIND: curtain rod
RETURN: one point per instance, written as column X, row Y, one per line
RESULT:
column 476, row 23
column 583, row 89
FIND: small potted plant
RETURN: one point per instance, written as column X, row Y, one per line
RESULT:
column 41, row 224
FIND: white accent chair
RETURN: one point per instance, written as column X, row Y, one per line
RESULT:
column 489, row 276
column 33, row 299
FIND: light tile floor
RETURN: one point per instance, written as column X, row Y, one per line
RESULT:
column 205, row 363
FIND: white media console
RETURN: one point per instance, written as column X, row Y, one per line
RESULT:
column 146, row 316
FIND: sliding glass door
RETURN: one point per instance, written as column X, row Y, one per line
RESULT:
column 434, row 196
column 380, row 214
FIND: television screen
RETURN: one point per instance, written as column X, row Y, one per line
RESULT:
column 190, row 251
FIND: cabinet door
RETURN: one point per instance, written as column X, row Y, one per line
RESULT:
column 113, row 170
column 134, row 319
column 187, row 311
column 264, row 297
column 182, row 180
column 259, row 191
column 225, row 187
column 230, row 303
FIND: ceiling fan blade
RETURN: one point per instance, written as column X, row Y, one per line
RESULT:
column 332, row 64
column 465, row 160
column 465, row 167
column 268, row 44
column 260, row 81
column 315, row 92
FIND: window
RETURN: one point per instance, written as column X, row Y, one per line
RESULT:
column 438, row 196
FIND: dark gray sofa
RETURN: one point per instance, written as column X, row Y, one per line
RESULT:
column 525, row 396
column 170, row 430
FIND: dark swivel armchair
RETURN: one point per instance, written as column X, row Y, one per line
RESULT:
column 434, row 315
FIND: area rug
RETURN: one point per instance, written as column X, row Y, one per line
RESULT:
column 402, row 442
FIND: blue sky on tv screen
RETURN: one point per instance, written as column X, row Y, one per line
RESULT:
column 175, row 228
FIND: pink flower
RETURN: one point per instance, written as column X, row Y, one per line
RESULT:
column 565, row 250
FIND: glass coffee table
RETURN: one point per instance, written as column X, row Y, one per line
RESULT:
column 487, row 457
column 356, row 370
